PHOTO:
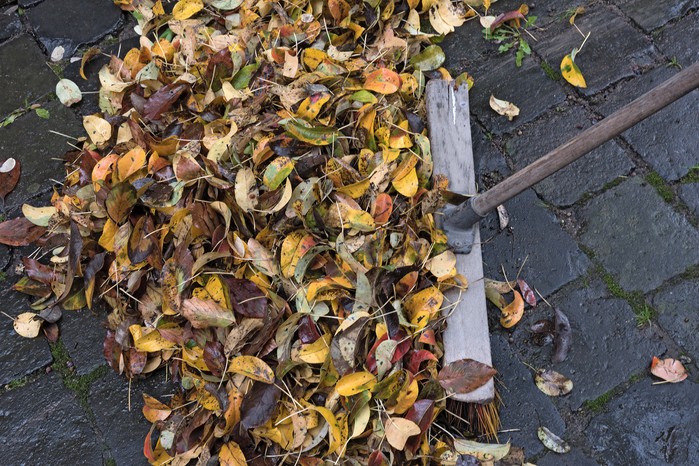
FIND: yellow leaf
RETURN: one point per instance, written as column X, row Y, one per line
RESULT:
column 98, row 129
column 571, row 72
column 513, row 312
column 108, row 233
column 355, row 190
column 252, row 367
column 186, row 9
column 442, row 266
column 398, row 429
column 152, row 342
column 316, row 352
column 158, row 9
column 422, row 305
column 336, row 440
column 383, row 81
column 218, row 291
column 38, row 215
column 354, row 383
column 130, row 163
column 406, row 398
column 27, row 324
column 231, row 455
column 313, row 57
column 294, row 247
column 154, row 410
column 312, row 105
column 407, row 185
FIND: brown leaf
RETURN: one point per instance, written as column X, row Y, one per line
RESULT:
column 527, row 292
column 258, row 405
column 563, row 337
column 163, row 100
column 465, row 375
column 552, row 383
column 10, row 170
column 19, row 232
column 247, row 299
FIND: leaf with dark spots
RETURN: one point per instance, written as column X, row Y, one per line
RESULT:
column 214, row 358
column 137, row 362
column 308, row 330
column 120, row 200
column 19, row 232
column 259, row 404
column 141, row 242
column 75, row 249
column 420, row 413
column 32, row 287
column 220, row 393
column 247, row 299
column 287, row 146
column 563, row 337
column 10, row 171
column 38, row 271
column 344, row 344
column 94, row 266
column 465, row 375
column 527, row 292
column 163, row 100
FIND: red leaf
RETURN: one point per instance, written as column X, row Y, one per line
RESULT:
column 19, row 232
column 421, row 414
column 415, row 358
column 247, row 299
column 163, row 100
column 9, row 179
column 308, row 331
column 465, row 375
column 214, row 358
column 527, row 292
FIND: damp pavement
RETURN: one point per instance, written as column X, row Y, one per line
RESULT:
column 611, row 240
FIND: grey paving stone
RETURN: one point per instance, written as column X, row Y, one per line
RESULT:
column 552, row 258
column 573, row 458
column 42, row 423
column 689, row 193
column 9, row 25
column 525, row 407
column 527, row 87
column 82, row 333
column 678, row 314
column 28, row 3
column 18, row 356
column 24, row 75
column 124, row 430
column 30, row 141
column 90, row 101
column 639, row 238
column 608, row 348
column 679, row 40
column 71, row 28
column 662, row 138
column 615, row 49
column 649, row 424
column 651, row 15
column 590, row 173
column 488, row 160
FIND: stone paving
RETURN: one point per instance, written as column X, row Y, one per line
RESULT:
column 611, row 240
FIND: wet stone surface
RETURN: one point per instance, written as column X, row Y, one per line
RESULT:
column 661, row 140
column 607, row 350
column 550, row 264
column 30, row 140
column 124, row 430
column 572, row 458
column 651, row 15
column 649, row 425
column 678, row 314
column 70, row 29
column 614, row 46
column 521, row 400
column 679, row 41
column 82, row 333
column 689, row 193
column 18, row 356
column 589, row 173
column 43, row 423
column 9, row 25
column 527, row 87
column 35, row 80
column 634, row 234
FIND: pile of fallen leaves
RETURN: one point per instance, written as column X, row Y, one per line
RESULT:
column 255, row 204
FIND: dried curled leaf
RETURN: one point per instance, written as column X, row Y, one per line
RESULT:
column 27, row 324
column 503, row 107
column 670, row 370
column 552, row 441
column 552, row 383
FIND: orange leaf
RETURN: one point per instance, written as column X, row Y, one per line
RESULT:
column 670, row 370
column 383, row 81
column 513, row 312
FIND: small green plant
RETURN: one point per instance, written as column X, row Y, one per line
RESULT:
column 673, row 63
column 644, row 317
column 511, row 38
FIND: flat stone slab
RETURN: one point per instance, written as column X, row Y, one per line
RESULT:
column 649, row 425
column 24, row 74
column 528, row 87
column 30, row 140
column 550, row 264
column 574, row 457
column 42, row 423
column 614, row 51
column 521, row 400
column 587, row 174
column 651, row 15
column 72, row 23
column 124, row 430
column 607, row 350
column 679, row 41
column 639, row 238
column 662, row 138
column 689, row 193
column 82, row 333
column 678, row 314
column 19, row 356
column 9, row 25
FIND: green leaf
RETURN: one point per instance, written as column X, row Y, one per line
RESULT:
column 429, row 59
column 42, row 113
column 241, row 80
column 277, row 172
column 314, row 135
